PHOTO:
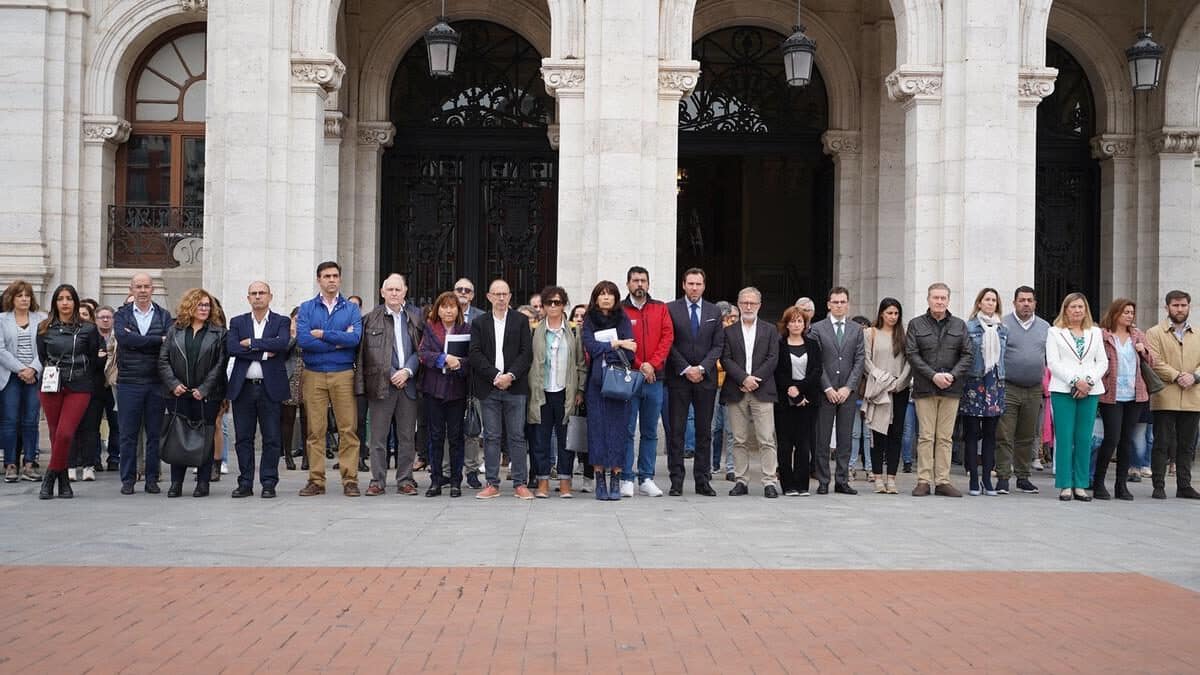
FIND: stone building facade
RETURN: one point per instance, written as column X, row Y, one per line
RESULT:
column 219, row 141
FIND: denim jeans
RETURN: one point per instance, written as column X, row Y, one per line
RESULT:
column 910, row 433
column 1139, row 451
column 860, row 443
column 139, row 406
column 505, row 411
column 646, row 407
column 721, row 439
column 21, row 410
column 551, row 437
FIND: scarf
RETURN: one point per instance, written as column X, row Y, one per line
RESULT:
column 991, row 340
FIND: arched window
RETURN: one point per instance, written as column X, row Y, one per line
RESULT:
column 160, row 170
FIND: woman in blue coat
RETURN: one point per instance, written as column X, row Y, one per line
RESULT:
column 608, row 419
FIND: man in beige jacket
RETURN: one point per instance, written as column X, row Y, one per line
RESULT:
column 1176, row 348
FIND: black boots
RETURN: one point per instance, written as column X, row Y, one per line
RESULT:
column 64, row 485
column 176, row 490
column 48, row 481
column 289, row 462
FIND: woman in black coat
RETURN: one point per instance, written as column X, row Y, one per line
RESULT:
column 798, row 377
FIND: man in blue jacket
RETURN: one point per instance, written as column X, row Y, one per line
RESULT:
column 328, row 329
column 140, row 328
column 258, row 342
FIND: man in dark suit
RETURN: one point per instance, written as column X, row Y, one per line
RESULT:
column 500, row 354
column 258, row 342
column 692, row 380
column 842, row 359
column 749, row 357
column 386, row 374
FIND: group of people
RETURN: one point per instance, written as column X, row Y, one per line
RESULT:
column 439, row 377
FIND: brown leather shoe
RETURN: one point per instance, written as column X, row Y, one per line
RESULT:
column 407, row 489
column 374, row 490
column 946, row 490
column 921, row 490
column 312, row 489
column 351, row 490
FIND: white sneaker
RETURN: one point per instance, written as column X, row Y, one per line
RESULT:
column 1037, row 465
column 649, row 489
column 588, row 485
column 626, row 488
column 224, row 468
column 89, row 473
column 195, row 469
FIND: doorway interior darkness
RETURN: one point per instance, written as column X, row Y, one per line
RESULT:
column 755, row 193
column 470, row 187
column 1068, row 189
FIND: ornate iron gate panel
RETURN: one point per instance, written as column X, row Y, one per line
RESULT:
column 518, row 205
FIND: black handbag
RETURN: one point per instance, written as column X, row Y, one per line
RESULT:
column 1154, row 383
column 472, row 419
column 184, row 441
column 621, row 383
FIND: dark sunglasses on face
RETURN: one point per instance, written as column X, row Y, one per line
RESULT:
column 554, row 303
column 463, row 289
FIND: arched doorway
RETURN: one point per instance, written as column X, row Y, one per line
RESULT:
column 755, row 189
column 1068, row 189
column 469, row 187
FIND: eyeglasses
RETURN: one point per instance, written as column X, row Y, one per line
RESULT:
column 204, row 305
column 464, row 290
column 554, row 303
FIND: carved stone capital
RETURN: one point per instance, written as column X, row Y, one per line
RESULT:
column 335, row 124
column 1175, row 141
column 677, row 78
column 323, row 71
column 105, row 129
column 553, row 135
column 377, row 134
column 193, row 5
column 562, row 75
column 841, row 141
column 908, row 83
column 1035, row 84
column 1109, row 146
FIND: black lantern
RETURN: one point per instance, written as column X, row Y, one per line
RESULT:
column 798, row 51
column 1145, row 58
column 441, row 42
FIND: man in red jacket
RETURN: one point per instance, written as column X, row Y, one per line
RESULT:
column 654, row 333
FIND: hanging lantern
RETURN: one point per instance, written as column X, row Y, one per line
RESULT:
column 1145, row 56
column 441, row 42
column 798, row 51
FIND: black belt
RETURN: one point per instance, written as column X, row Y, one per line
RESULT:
column 257, row 381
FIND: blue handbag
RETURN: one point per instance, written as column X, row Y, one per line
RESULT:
column 621, row 383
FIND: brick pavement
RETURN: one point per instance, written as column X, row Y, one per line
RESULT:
column 539, row 620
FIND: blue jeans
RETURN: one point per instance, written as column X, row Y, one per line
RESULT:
column 1143, row 440
column 910, row 433
column 721, row 439
column 505, row 411
column 21, row 409
column 139, row 406
column 860, row 441
column 647, row 407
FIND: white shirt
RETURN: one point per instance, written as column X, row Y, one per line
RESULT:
column 254, row 372
column 399, row 322
column 499, row 323
column 143, row 319
column 749, row 334
column 1025, row 324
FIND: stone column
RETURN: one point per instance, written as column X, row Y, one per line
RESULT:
column 372, row 138
column 676, row 80
column 314, row 77
column 1118, row 216
column 102, row 135
column 334, row 124
column 850, row 242
column 919, row 90
column 1033, row 85
column 564, row 80
column 1178, row 245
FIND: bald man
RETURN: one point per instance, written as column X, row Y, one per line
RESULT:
column 258, row 342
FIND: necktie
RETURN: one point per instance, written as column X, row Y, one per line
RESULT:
column 838, row 331
column 695, row 319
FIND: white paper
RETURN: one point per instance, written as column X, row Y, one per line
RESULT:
column 607, row 336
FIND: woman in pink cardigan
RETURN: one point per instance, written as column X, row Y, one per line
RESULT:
column 1125, row 396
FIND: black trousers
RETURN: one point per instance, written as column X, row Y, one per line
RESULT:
column 1174, row 435
column 85, row 450
column 795, row 431
column 886, row 447
column 1120, row 420
column 976, row 429
column 682, row 394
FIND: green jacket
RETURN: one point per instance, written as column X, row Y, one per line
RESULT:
column 576, row 375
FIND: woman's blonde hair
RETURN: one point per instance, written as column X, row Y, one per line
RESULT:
column 187, row 306
column 1060, row 321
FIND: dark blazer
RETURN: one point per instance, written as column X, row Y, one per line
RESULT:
column 810, row 386
column 842, row 365
column 695, row 350
column 276, row 339
column 518, row 353
column 763, row 359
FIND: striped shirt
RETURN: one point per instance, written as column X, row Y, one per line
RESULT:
column 25, row 344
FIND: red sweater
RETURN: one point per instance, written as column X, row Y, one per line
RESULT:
column 653, row 331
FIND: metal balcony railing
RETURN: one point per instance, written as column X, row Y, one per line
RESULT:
column 147, row 236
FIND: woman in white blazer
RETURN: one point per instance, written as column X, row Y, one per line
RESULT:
column 1077, row 362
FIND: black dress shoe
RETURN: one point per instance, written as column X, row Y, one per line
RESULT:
column 844, row 489
column 1082, row 497
column 455, row 491
column 267, row 493
column 174, row 490
column 201, row 490
column 729, row 476
column 675, row 491
column 738, row 490
column 240, row 492
column 706, row 490
column 1187, row 493
column 822, row 489
column 434, row 491
column 770, row 492
column 289, row 462
column 126, row 488
column 152, row 487
column 304, row 463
